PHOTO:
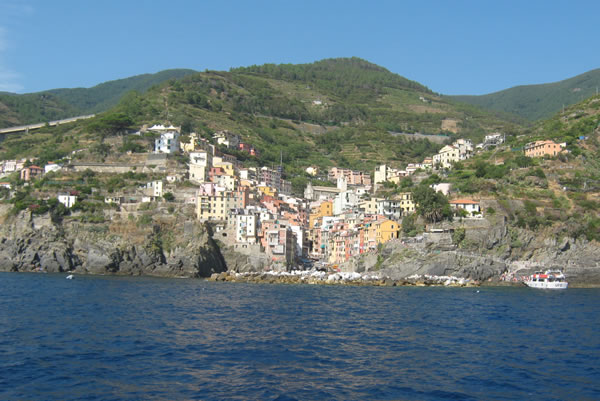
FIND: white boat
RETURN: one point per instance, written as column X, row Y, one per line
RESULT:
column 70, row 277
column 550, row 279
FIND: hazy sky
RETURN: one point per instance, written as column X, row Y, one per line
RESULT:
column 451, row 46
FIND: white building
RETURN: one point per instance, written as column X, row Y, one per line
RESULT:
column 385, row 173
column 51, row 166
column 380, row 176
column 465, row 148
column 202, row 157
column 200, row 164
column 494, row 139
column 226, row 181
column 167, row 143
column 226, row 138
column 394, row 209
column 442, row 187
column 300, row 236
column 154, row 188
column 157, row 187
column 246, row 226
column 67, row 199
column 470, row 206
column 169, row 139
column 447, row 156
column 345, row 200
column 249, row 174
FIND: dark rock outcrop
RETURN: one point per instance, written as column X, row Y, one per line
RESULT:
column 29, row 243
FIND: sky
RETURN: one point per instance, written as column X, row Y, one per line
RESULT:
column 451, row 46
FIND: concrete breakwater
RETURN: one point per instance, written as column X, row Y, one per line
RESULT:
column 340, row 278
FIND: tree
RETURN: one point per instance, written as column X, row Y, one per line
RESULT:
column 406, row 182
column 110, row 124
column 101, row 148
column 409, row 227
column 431, row 205
column 480, row 169
column 523, row 161
column 458, row 236
column 168, row 196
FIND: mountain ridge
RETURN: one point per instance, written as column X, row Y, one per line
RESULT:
column 538, row 101
column 55, row 104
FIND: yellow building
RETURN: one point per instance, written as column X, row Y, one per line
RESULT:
column 226, row 166
column 386, row 230
column 191, row 145
column 265, row 190
column 325, row 208
column 218, row 205
column 406, row 203
column 369, row 206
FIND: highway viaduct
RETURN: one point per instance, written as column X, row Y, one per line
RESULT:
column 26, row 128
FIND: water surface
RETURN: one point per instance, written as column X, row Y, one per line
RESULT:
column 113, row 338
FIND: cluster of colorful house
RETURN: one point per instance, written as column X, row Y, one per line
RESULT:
column 253, row 210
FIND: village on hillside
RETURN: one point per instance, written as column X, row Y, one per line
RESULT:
column 252, row 209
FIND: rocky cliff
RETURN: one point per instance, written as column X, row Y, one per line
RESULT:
column 164, row 247
column 172, row 246
column 491, row 250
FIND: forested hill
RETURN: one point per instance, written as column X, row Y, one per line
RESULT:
column 56, row 104
column 333, row 112
column 348, row 77
column 536, row 102
column 337, row 112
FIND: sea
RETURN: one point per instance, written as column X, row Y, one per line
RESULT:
column 136, row 338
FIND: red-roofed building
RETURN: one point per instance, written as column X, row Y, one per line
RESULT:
column 470, row 206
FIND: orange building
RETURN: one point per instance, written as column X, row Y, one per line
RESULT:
column 325, row 208
column 543, row 148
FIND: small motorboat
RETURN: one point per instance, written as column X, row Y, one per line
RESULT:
column 70, row 277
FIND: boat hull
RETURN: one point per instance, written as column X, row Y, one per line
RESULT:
column 560, row 285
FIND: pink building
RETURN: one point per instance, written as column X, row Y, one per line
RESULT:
column 352, row 177
column 277, row 239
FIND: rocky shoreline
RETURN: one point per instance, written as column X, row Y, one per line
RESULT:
column 323, row 278
column 182, row 247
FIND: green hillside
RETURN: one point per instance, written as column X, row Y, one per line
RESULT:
column 32, row 108
column 352, row 114
column 338, row 111
column 535, row 102
column 62, row 103
column 344, row 112
column 560, row 195
column 106, row 95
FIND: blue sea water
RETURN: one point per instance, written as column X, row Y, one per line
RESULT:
column 118, row 338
